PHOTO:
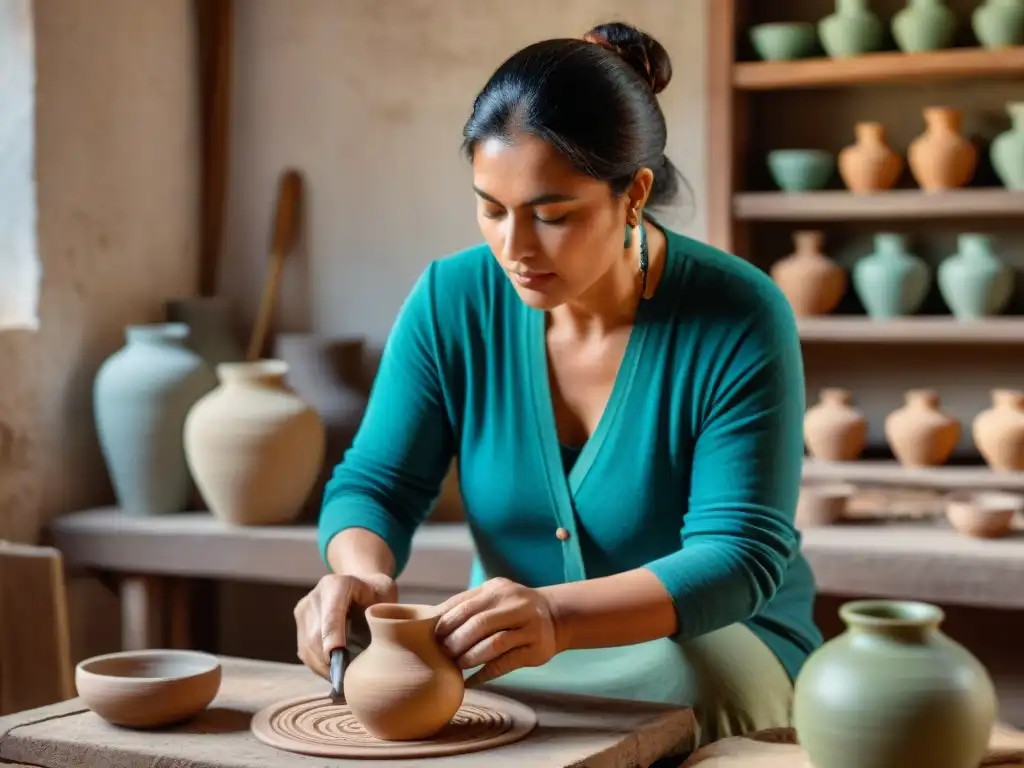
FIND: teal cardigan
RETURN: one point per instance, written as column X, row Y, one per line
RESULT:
column 693, row 471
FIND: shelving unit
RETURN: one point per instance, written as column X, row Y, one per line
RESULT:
column 756, row 106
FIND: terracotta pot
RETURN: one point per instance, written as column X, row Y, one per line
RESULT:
column 941, row 158
column 869, row 165
column 813, row 283
column 893, row 690
column 255, row 448
column 982, row 515
column 998, row 432
column 833, row 429
column 919, row 433
column 403, row 687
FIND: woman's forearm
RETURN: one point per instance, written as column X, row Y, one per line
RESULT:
column 360, row 552
column 631, row 607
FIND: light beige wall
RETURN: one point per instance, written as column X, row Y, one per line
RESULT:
column 368, row 99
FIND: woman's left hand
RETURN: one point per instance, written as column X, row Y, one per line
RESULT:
column 500, row 625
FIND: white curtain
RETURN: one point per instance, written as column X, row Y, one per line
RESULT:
column 20, row 268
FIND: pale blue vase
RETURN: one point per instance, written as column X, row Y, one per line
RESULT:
column 891, row 281
column 974, row 282
column 141, row 396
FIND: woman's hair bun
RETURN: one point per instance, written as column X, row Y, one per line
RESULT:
column 638, row 49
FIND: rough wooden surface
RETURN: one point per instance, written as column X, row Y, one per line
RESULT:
column 777, row 749
column 572, row 732
column 907, row 560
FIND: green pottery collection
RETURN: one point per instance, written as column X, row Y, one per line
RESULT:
column 893, row 691
column 974, row 283
column 924, row 25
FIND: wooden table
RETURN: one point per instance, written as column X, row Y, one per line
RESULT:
column 586, row 733
column 154, row 559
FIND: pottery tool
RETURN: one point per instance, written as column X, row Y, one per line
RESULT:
column 339, row 663
column 286, row 229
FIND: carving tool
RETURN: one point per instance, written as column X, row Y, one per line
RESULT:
column 339, row 662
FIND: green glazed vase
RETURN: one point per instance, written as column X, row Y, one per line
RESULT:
column 924, row 25
column 892, row 281
column 852, row 30
column 893, row 691
column 973, row 282
column 999, row 23
column 1007, row 151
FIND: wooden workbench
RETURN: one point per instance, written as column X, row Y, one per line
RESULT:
column 581, row 732
column 153, row 558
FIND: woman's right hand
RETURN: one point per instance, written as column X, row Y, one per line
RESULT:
column 321, row 616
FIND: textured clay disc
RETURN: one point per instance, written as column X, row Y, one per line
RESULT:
column 315, row 725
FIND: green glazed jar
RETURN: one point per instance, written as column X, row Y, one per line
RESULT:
column 999, row 23
column 924, row 25
column 852, row 30
column 893, row 691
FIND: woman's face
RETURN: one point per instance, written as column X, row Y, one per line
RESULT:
column 555, row 231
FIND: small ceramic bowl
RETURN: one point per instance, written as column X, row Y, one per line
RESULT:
column 823, row 504
column 148, row 689
column 983, row 515
column 784, row 41
column 801, row 170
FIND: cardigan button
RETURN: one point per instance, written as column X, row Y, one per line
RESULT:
column 562, row 535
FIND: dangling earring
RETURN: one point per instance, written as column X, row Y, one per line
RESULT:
column 643, row 261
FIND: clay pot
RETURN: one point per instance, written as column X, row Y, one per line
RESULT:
column 869, row 164
column 982, row 515
column 1007, row 150
column 833, row 429
column 974, row 282
column 403, row 686
column 852, row 30
column 999, row 23
column 891, row 281
column 813, row 284
column 924, row 25
column 824, row 504
column 141, row 397
column 149, row 688
column 255, row 448
column 941, row 158
column 893, row 690
column 919, row 434
column 998, row 432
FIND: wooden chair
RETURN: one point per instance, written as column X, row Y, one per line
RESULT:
column 35, row 653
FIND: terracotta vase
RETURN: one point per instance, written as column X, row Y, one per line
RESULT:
column 813, row 283
column 998, row 432
column 833, row 429
column 254, row 447
column 869, row 164
column 941, row 158
column 893, row 690
column 919, row 433
column 403, row 687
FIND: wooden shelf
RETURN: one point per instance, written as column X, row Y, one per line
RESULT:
column 839, row 205
column 886, row 67
column 944, row 478
column 914, row 330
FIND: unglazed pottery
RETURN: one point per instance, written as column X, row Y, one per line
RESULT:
column 141, row 397
column 919, row 433
column 852, row 30
column 941, row 158
column 822, row 504
column 893, row 691
column 1007, row 150
column 891, row 281
column 811, row 282
column 316, row 725
column 869, row 164
column 998, row 432
column 784, row 41
column 148, row 688
column 924, row 25
column 403, row 686
column 999, row 23
column 210, row 334
column 982, row 515
column 833, row 429
column 255, row 448
column 974, row 282
column 801, row 170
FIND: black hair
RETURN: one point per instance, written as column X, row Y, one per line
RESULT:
column 593, row 99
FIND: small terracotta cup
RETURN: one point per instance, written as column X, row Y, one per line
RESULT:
column 150, row 688
column 982, row 515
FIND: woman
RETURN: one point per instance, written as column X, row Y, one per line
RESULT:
column 626, row 405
